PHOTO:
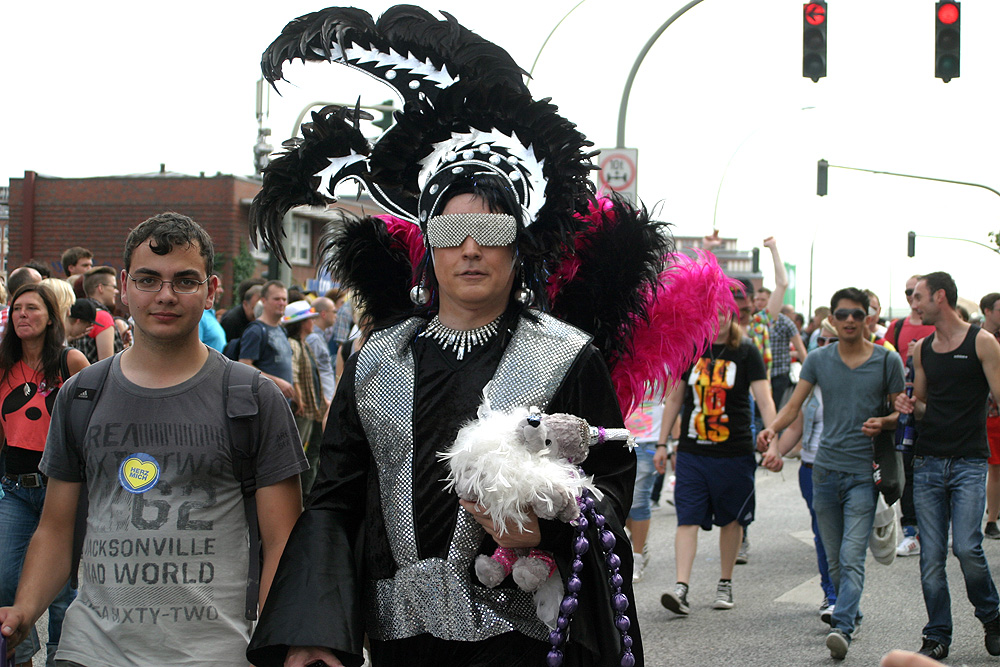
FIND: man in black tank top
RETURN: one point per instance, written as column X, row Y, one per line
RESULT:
column 956, row 367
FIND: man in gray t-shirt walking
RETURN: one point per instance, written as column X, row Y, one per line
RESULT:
column 165, row 563
column 856, row 378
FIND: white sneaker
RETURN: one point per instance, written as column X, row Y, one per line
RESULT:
column 723, row 595
column 639, row 566
column 910, row 546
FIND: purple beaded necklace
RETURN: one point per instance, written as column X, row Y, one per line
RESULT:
column 619, row 601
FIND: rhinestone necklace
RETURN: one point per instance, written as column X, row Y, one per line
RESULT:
column 460, row 342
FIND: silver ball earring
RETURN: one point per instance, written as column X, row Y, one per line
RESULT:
column 524, row 296
column 420, row 295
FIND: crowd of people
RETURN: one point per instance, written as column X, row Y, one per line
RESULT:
column 274, row 483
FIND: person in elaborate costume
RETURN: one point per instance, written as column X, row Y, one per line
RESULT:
column 498, row 276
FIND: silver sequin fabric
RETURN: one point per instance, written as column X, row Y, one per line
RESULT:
column 433, row 595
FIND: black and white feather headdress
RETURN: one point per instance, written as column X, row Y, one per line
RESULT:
column 465, row 110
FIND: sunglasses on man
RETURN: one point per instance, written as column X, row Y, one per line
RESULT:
column 843, row 313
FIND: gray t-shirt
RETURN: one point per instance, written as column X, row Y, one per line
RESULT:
column 849, row 398
column 164, row 567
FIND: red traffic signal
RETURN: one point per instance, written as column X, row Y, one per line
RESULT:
column 814, row 40
column 947, row 40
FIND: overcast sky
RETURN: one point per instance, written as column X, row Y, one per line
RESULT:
column 727, row 129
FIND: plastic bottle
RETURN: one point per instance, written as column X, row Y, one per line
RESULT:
column 906, row 432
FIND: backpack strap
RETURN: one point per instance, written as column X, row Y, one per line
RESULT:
column 79, row 409
column 240, row 397
column 897, row 328
column 64, row 363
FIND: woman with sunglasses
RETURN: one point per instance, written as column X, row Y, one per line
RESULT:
column 34, row 362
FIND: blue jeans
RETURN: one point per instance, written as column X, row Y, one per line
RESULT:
column 845, row 513
column 806, row 487
column 20, row 510
column 952, row 490
column 644, row 477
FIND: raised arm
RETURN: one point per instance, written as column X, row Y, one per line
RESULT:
column 780, row 279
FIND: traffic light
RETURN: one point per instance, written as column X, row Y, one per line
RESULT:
column 911, row 244
column 385, row 122
column 821, row 170
column 814, row 40
column 947, row 40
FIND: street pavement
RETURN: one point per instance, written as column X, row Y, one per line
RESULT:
column 775, row 621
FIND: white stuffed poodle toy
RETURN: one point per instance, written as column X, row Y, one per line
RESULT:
column 511, row 463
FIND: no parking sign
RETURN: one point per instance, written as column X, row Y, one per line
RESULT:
column 618, row 171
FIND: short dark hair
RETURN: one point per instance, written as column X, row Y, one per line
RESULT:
column 851, row 294
column 244, row 286
column 941, row 280
column 268, row 285
column 988, row 301
column 73, row 255
column 93, row 278
column 251, row 292
column 763, row 290
column 41, row 267
column 19, row 277
column 168, row 230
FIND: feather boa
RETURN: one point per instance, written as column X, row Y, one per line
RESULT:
column 682, row 323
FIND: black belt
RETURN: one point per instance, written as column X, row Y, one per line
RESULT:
column 33, row 480
column 808, row 465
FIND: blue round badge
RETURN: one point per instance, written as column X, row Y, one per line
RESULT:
column 139, row 473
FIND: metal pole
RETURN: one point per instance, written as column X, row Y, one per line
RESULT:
column 923, row 178
column 552, row 32
column 623, row 109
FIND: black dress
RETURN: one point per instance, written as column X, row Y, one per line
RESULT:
column 340, row 542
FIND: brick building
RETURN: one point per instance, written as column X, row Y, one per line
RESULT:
column 48, row 215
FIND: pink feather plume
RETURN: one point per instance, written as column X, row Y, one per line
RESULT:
column 683, row 323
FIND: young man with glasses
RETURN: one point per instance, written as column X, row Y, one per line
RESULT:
column 856, row 378
column 165, row 560
column 956, row 367
column 902, row 333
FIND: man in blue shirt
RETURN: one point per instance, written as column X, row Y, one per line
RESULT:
column 264, row 343
column 210, row 332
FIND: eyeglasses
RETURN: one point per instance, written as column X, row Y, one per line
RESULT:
column 180, row 285
column 843, row 313
column 823, row 340
column 909, row 293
